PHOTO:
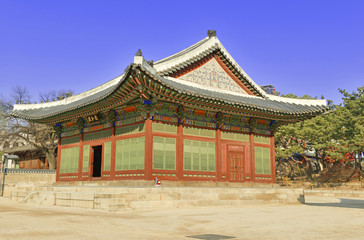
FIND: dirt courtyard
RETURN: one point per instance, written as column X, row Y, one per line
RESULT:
column 320, row 218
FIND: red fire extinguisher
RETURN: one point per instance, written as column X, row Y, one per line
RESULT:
column 157, row 182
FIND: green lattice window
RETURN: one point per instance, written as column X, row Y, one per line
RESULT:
column 97, row 135
column 130, row 129
column 86, row 157
column 107, row 156
column 70, row 140
column 69, row 160
column 164, row 153
column 130, row 154
column 199, row 132
column 262, row 139
column 198, row 156
column 235, row 136
column 160, row 127
column 262, row 160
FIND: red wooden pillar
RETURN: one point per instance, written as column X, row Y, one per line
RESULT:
column 273, row 159
column 179, row 164
column 252, row 157
column 148, row 156
column 218, row 155
column 80, row 157
column 113, row 152
column 58, row 158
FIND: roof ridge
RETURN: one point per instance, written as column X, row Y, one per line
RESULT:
column 206, row 44
column 199, row 43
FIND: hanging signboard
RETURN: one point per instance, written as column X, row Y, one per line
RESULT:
column 93, row 118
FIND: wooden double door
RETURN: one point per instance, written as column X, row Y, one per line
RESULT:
column 236, row 166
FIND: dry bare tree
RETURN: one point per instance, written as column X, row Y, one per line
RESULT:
column 40, row 136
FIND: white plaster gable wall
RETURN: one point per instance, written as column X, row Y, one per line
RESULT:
column 209, row 88
column 213, row 75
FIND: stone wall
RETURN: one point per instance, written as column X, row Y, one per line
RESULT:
column 17, row 179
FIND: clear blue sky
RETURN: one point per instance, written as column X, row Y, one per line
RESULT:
column 301, row 47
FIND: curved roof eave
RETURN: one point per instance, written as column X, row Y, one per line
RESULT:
column 68, row 104
column 271, row 104
column 274, row 106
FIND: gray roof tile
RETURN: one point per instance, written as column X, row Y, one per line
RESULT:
column 258, row 103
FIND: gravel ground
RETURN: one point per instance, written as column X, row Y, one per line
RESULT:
column 320, row 218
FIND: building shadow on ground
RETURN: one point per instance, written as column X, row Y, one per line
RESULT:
column 344, row 203
column 210, row 237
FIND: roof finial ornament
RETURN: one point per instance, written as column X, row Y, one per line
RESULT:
column 139, row 53
column 211, row 33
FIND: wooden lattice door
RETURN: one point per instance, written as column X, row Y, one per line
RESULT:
column 236, row 160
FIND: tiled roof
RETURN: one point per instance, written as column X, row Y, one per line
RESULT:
column 264, row 102
column 246, row 100
column 19, row 149
column 258, row 103
column 49, row 109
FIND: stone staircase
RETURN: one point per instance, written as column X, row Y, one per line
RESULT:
column 149, row 198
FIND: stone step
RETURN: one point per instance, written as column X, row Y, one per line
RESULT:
column 34, row 197
column 30, row 196
column 110, row 206
column 109, row 200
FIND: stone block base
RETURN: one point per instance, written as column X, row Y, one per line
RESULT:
column 149, row 198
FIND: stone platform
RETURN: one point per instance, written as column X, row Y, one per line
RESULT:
column 334, row 193
column 119, row 198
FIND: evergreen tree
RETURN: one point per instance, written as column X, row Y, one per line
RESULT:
column 334, row 134
column 350, row 132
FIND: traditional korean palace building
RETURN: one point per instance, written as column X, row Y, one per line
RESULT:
column 193, row 116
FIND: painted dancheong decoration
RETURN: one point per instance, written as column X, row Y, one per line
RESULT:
column 193, row 116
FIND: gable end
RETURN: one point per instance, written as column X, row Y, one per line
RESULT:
column 225, row 65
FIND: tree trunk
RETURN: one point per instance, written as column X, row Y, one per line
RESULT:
column 359, row 162
column 359, row 159
column 319, row 161
column 326, row 164
column 51, row 160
